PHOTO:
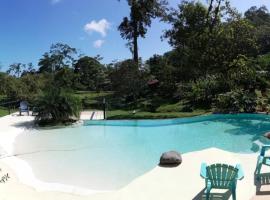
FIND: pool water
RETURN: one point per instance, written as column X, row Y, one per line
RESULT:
column 108, row 155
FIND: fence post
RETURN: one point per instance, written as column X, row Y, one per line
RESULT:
column 104, row 108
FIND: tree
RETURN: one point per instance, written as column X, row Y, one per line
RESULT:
column 29, row 70
column 141, row 14
column 16, row 69
column 205, row 41
column 64, row 78
column 59, row 56
column 128, row 80
column 260, row 18
column 164, row 73
column 2, row 81
column 57, row 106
column 91, row 73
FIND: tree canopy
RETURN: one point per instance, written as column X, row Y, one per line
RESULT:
column 220, row 60
column 141, row 14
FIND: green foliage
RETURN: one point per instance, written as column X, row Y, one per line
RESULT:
column 57, row 106
column 141, row 14
column 16, row 69
column 241, row 73
column 94, row 100
column 262, row 105
column 127, row 80
column 204, row 91
column 161, row 70
column 264, row 63
column 2, row 85
column 14, row 88
column 59, row 56
column 25, row 88
column 220, row 59
column 64, row 78
column 91, row 74
column 260, row 18
column 204, row 43
column 236, row 101
column 123, row 114
column 3, row 111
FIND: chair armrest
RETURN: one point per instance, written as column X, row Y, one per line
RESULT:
column 264, row 148
column 203, row 172
column 259, row 165
column 240, row 174
column 260, row 160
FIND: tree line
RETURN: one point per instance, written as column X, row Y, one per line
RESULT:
column 220, row 59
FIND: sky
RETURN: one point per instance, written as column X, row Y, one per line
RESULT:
column 29, row 27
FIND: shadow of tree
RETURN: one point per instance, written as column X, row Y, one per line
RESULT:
column 26, row 125
column 248, row 127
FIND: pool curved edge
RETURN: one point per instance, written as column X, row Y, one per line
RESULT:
column 166, row 122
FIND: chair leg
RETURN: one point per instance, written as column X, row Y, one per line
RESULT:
column 208, row 193
column 233, row 194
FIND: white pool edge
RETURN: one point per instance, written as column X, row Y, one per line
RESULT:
column 22, row 169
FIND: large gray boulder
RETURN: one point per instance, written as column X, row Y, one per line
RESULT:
column 171, row 158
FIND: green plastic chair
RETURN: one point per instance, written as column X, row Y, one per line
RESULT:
column 262, row 160
column 221, row 176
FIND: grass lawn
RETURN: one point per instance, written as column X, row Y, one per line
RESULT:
column 91, row 95
column 3, row 112
column 123, row 114
column 93, row 100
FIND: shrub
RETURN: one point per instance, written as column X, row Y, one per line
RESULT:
column 204, row 90
column 57, row 106
column 262, row 105
column 236, row 101
column 128, row 80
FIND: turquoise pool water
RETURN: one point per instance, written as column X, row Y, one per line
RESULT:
column 107, row 155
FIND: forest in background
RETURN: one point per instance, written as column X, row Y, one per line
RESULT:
column 219, row 62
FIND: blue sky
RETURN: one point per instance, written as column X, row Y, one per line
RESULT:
column 29, row 27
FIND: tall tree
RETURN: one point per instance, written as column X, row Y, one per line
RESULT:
column 16, row 69
column 208, row 39
column 59, row 56
column 260, row 18
column 90, row 73
column 141, row 14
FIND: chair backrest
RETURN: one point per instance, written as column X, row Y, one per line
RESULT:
column 264, row 149
column 222, row 175
column 23, row 105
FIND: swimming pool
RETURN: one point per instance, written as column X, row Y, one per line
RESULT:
column 107, row 155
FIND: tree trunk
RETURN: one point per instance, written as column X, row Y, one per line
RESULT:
column 135, row 44
column 135, row 32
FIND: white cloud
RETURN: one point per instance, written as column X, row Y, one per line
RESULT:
column 101, row 27
column 55, row 1
column 98, row 43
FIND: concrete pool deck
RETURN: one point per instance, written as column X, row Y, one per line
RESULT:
column 182, row 182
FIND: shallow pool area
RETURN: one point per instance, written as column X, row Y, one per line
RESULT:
column 107, row 155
